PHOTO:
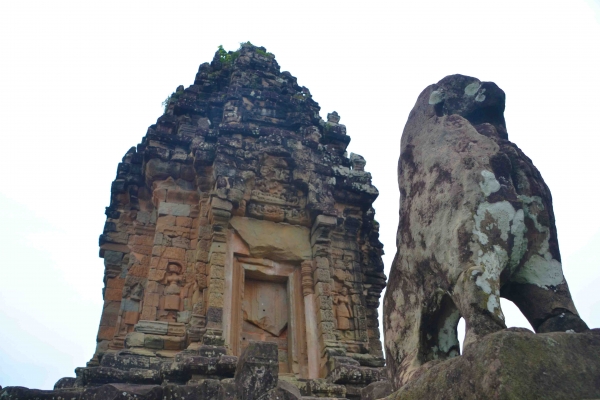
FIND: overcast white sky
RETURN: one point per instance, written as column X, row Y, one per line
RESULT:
column 81, row 81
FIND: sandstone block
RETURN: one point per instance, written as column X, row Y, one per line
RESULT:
column 148, row 312
column 110, row 313
column 325, row 316
column 183, row 317
column 113, row 257
column 165, row 221
column 131, row 317
column 217, row 285
column 323, row 289
column 322, row 388
column 135, row 339
column 143, row 377
column 115, row 283
column 139, row 270
column 154, row 342
column 205, row 232
column 182, row 197
column 117, row 237
column 174, row 253
column 176, row 329
column 200, row 268
column 113, row 294
column 156, row 275
column 143, row 217
column 152, row 287
column 130, row 305
column 215, row 299
column 324, row 302
column 174, row 209
column 322, row 263
column 181, row 243
column 174, row 342
column 267, row 212
column 152, row 327
column 151, row 299
column 131, row 360
column 220, row 204
column 322, row 275
column 217, row 258
column 257, row 370
column 141, row 240
column 106, row 332
column 141, row 250
column 172, row 302
column 184, row 222
column 217, row 272
column 327, row 327
column 272, row 240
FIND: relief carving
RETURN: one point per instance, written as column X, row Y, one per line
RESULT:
column 175, row 290
column 342, row 309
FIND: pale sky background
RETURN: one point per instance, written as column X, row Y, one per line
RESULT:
column 81, row 81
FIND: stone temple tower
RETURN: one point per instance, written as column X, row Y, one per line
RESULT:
column 239, row 218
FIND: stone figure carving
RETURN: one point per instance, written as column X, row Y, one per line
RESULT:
column 476, row 223
column 196, row 294
column 358, row 162
column 333, row 117
column 173, row 280
column 342, row 308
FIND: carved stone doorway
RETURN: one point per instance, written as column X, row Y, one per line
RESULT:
column 265, row 315
column 267, row 305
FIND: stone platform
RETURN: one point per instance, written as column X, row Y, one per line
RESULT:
column 205, row 373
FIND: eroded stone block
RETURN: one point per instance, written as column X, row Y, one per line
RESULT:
column 152, row 327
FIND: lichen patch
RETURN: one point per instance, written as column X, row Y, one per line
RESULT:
column 480, row 96
column 501, row 212
column 490, row 184
column 472, row 88
column 540, row 271
column 518, row 230
column 436, row 97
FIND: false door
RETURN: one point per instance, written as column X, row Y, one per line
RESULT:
column 265, row 314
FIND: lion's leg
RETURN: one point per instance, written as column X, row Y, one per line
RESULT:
column 548, row 308
column 537, row 284
column 439, row 338
column 426, row 326
column 402, row 325
column 477, row 296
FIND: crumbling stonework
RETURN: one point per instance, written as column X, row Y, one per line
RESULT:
column 256, row 377
column 476, row 223
column 240, row 219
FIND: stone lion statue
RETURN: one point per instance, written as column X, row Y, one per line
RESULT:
column 476, row 224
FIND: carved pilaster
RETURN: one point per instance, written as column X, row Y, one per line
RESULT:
column 307, row 279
